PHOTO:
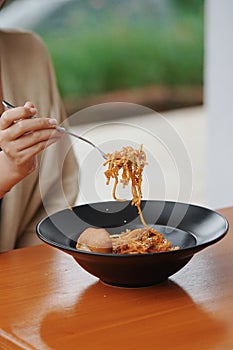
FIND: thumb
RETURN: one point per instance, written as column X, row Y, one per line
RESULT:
column 29, row 104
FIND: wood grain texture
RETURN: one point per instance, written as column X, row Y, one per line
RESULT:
column 48, row 302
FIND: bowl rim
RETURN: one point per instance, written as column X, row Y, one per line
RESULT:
column 190, row 250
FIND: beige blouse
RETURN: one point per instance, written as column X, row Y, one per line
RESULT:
column 27, row 75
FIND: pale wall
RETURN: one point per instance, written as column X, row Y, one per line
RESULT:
column 219, row 102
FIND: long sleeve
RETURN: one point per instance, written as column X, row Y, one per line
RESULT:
column 27, row 74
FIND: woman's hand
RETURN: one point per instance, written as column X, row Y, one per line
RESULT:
column 21, row 139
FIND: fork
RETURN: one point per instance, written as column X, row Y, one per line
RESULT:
column 63, row 130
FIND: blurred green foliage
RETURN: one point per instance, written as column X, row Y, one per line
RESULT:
column 99, row 45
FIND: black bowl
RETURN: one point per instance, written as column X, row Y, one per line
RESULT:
column 190, row 227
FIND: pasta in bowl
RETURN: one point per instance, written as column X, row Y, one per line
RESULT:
column 192, row 228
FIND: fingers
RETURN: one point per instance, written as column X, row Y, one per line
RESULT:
column 27, row 154
column 23, row 137
column 11, row 116
column 34, row 138
column 23, row 150
column 27, row 132
column 25, row 126
column 29, row 141
column 20, row 132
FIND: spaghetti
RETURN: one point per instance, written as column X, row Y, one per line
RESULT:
column 138, row 241
column 132, row 163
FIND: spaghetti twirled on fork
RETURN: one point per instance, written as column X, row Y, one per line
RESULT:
column 132, row 163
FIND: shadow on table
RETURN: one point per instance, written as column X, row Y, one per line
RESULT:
column 114, row 317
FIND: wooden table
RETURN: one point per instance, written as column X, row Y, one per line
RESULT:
column 48, row 302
